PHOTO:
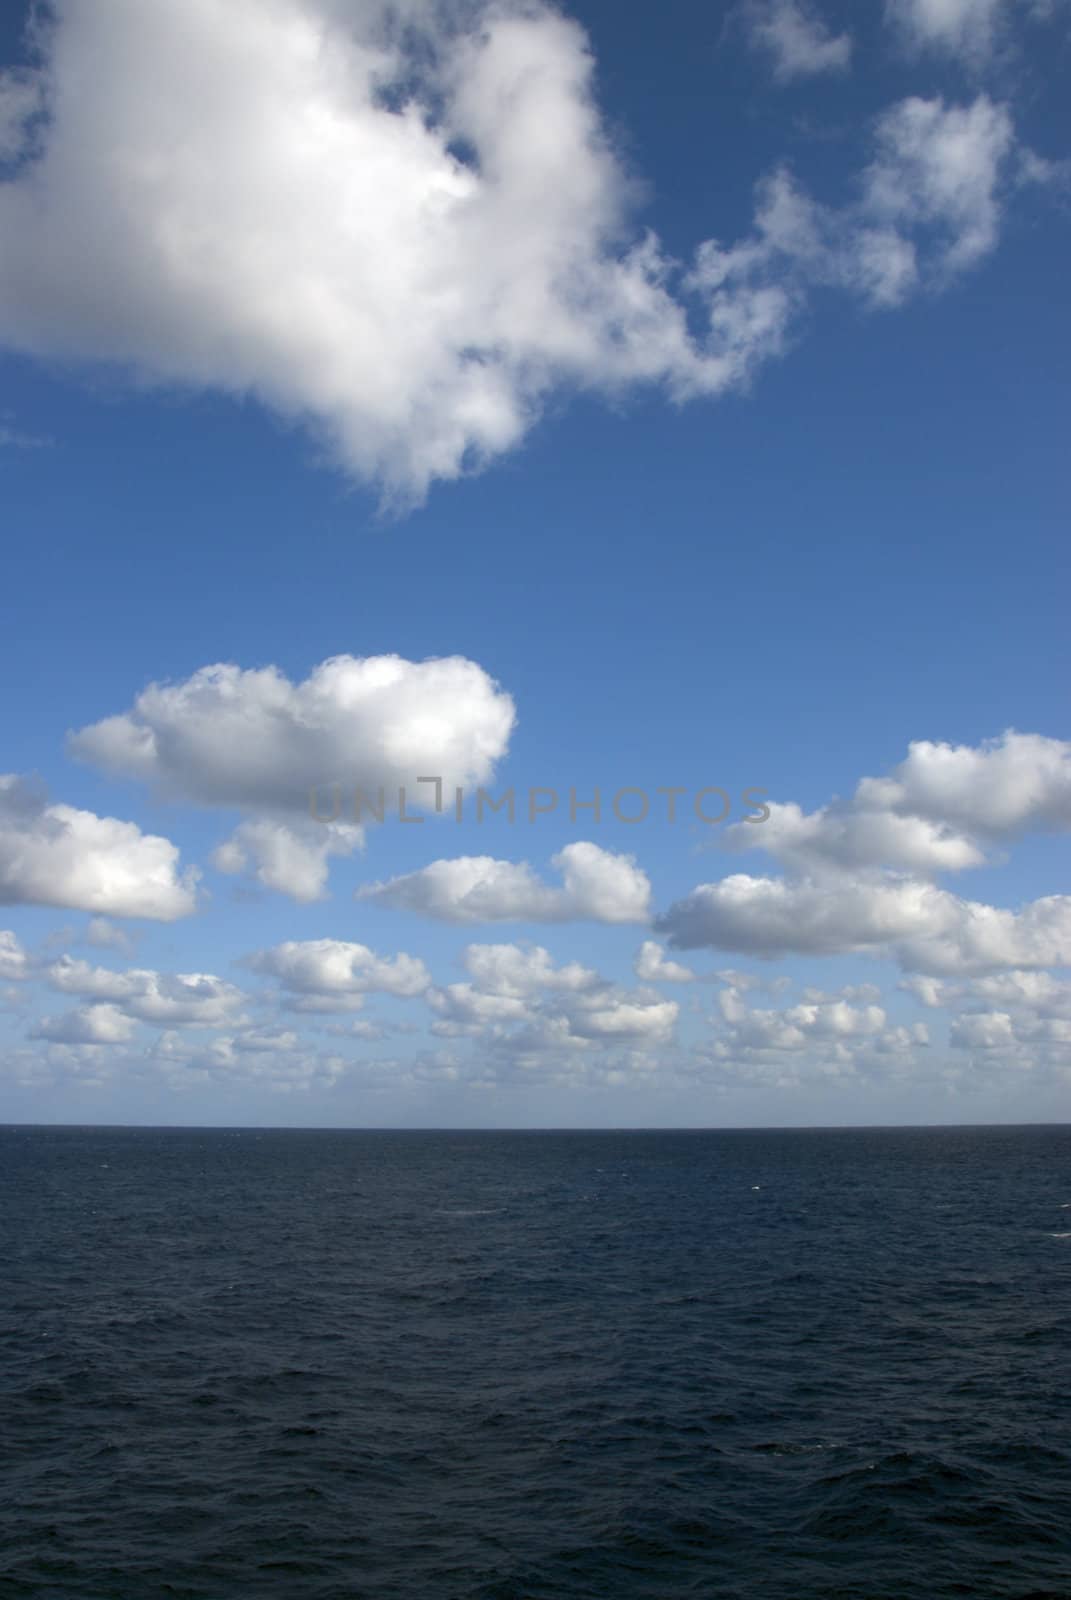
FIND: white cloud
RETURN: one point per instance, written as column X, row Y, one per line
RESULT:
column 535, row 1010
column 925, row 928
column 598, row 885
column 510, row 969
column 936, row 812
column 638, row 1016
column 333, row 974
column 929, row 207
column 193, row 999
column 795, row 36
column 13, row 962
column 969, row 29
column 1006, row 786
column 293, row 859
column 854, row 837
column 254, row 740
column 653, row 966
column 56, row 855
column 777, row 916
column 407, row 236
column 979, row 938
column 97, row 1024
column 984, row 1030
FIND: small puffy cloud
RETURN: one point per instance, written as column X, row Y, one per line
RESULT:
column 96, row 1024
column 984, row 1030
column 13, row 960
column 255, row 741
column 796, row 38
column 967, row 29
column 192, row 999
column 56, row 855
column 462, row 1008
column 928, row 992
column 597, row 885
column 329, row 974
column 639, row 1017
column 292, row 859
column 653, row 966
column 521, row 970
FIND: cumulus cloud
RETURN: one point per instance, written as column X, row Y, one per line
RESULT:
column 97, row 1024
column 652, row 965
column 13, row 961
column 823, row 1038
column 938, row 811
column 295, row 860
column 853, row 837
column 57, row 855
column 967, row 29
column 333, row 975
column 406, row 226
column 858, row 871
column 187, row 999
column 795, row 37
column 254, row 740
column 517, row 996
column 1017, row 783
column 521, row 970
column 926, row 928
column 598, row 885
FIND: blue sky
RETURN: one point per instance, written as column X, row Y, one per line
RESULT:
column 784, row 511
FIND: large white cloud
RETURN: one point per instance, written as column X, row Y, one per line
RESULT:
column 598, row 885
column 405, row 235
column 57, row 855
column 926, row 928
column 293, row 755
column 255, row 740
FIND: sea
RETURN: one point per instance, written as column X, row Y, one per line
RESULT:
column 335, row 1365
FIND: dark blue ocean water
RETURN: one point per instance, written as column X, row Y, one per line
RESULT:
column 318, row 1365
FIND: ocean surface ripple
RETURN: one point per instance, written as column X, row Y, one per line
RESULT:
column 820, row 1365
